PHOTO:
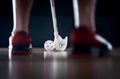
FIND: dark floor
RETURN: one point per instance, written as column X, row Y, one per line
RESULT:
column 58, row 65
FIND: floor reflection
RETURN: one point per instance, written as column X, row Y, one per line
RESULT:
column 90, row 69
column 20, row 67
column 55, row 55
column 55, row 65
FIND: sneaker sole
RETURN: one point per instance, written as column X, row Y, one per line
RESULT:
column 91, row 50
column 20, row 50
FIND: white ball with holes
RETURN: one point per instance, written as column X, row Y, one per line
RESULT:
column 49, row 45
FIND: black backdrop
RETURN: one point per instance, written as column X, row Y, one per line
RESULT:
column 107, row 20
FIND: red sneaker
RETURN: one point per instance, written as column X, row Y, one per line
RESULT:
column 86, row 42
column 20, row 44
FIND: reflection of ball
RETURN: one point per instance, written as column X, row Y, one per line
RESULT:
column 49, row 45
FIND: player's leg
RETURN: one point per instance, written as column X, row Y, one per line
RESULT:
column 84, row 13
column 19, row 41
column 83, row 36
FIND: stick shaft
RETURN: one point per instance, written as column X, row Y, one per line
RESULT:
column 52, row 3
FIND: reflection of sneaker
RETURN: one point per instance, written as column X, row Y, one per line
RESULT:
column 20, row 44
column 86, row 42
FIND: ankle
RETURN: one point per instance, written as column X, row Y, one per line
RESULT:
column 14, row 31
column 91, row 28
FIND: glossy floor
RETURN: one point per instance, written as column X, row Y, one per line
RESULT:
column 58, row 65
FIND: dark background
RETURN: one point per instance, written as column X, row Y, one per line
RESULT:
column 107, row 21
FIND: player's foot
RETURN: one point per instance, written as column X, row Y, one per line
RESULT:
column 20, row 44
column 86, row 42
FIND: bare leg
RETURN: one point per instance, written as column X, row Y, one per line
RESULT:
column 83, row 36
column 84, row 13
column 21, row 13
column 19, row 41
